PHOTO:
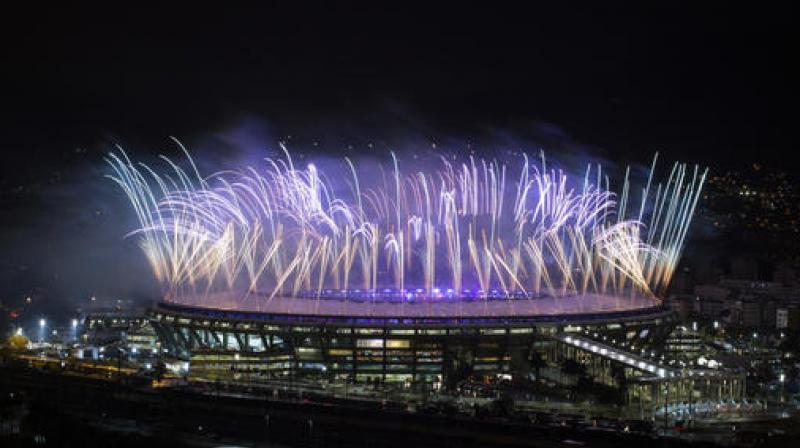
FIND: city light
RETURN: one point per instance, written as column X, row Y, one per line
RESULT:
column 42, row 323
column 628, row 359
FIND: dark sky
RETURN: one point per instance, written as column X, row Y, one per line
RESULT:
column 712, row 84
column 699, row 82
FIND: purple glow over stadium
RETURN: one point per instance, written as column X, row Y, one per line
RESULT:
column 475, row 233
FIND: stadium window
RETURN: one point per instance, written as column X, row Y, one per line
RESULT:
column 369, row 343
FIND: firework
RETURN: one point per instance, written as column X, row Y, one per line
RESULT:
column 476, row 229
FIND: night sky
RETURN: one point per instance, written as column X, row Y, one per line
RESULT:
column 713, row 85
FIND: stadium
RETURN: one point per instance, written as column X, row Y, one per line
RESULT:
column 391, row 342
column 367, row 273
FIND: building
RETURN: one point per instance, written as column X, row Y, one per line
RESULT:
column 742, row 304
column 412, row 344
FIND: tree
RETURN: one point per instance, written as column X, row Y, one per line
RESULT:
column 18, row 342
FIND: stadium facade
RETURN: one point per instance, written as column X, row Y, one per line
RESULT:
column 425, row 344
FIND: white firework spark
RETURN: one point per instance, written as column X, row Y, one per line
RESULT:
column 463, row 230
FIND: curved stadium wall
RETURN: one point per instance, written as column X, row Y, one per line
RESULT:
column 333, row 340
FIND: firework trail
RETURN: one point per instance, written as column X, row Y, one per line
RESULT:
column 465, row 230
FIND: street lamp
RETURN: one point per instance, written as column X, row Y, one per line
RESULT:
column 42, row 324
column 74, row 329
column 120, row 353
column 666, row 406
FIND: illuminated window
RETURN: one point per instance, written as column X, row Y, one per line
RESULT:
column 398, row 343
column 340, row 352
column 370, row 343
column 232, row 343
column 255, row 342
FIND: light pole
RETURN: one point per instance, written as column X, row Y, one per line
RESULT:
column 42, row 325
column 666, row 405
column 75, row 329
column 120, row 354
column 691, row 400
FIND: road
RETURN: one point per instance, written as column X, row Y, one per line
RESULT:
column 189, row 418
